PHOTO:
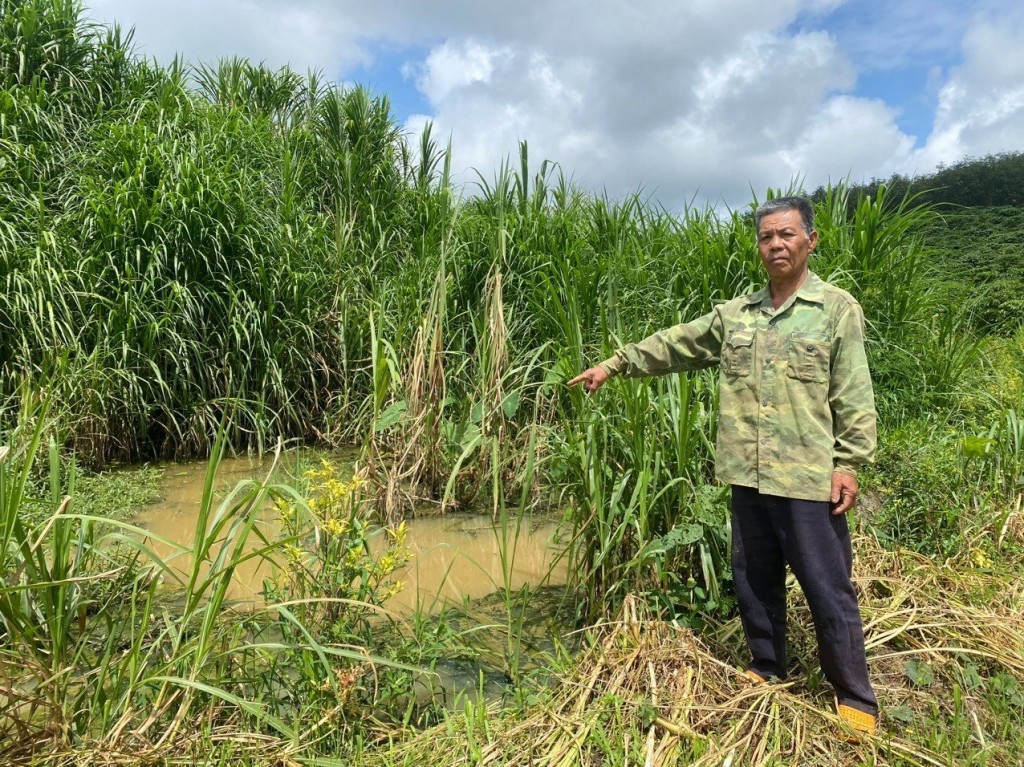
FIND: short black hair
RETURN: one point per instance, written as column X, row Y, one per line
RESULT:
column 781, row 204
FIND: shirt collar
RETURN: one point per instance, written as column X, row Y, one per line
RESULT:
column 812, row 290
column 757, row 296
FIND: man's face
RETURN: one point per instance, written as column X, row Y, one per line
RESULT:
column 784, row 245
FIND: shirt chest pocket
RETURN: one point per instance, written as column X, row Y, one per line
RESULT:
column 808, row 358
column 738, row 353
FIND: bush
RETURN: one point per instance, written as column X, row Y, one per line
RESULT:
column 917, row 474
column 998, row 307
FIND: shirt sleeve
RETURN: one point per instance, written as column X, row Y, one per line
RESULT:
column 850, row 394
column 690, row 346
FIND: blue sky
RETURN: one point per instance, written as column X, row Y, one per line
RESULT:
column 383, row 74
column 901, row 51
column 698, row 100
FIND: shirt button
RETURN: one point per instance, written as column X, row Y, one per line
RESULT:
column 764, row 441
column 764, row 403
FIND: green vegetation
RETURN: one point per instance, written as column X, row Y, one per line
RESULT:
column 197, row 260
column 975, row 246
column 979, row 253
column 79, row 666
column 992, row 181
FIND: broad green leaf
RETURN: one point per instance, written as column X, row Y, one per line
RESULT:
column 919, row 672
column 511, row 404
column 392, row 414
column 683, row 535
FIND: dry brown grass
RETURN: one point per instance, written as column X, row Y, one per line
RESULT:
column 646, row 691
column 658, row 694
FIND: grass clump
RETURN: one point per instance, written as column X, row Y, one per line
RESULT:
column 95, row 660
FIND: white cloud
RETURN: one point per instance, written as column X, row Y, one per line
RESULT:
column 452, row 67
column 852, row 137
column 299, row 34
column 713, row 116
column 981, row 105
column 516, row 95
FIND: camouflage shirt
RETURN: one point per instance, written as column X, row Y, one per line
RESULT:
column 795, row 401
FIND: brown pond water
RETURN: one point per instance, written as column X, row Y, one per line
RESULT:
column 456, row 557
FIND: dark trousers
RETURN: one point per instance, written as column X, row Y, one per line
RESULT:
column 769, row 531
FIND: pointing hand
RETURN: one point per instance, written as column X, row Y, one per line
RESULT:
column 592, row 379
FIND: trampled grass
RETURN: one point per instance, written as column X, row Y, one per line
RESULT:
column 944, row 639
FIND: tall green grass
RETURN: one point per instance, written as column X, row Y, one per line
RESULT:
column 200, row 259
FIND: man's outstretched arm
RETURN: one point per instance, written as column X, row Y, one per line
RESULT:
column 689, row 346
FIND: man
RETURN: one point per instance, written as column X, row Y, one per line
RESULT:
column 797, row 419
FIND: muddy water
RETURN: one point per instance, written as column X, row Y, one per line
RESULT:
column 455, row 557
column 459, row 557
column 175, row 516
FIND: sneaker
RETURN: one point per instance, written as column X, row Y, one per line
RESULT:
column 858, row 721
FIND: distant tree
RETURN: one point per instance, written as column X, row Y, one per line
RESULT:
column 991, row 181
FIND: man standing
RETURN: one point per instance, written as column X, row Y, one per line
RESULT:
column 797, row 419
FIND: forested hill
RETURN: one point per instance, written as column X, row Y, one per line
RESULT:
column 978, row 237
column 993, row 181
column 976, row 243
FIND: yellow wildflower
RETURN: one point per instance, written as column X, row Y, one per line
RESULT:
column 397, row 534
column 333, row 527
column 980, row 558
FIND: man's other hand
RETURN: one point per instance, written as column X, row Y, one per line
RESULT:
column 592, row 379
column 844, row 492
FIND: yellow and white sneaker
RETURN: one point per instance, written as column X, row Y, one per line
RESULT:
column 753, row 676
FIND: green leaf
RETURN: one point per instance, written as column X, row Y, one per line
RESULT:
column 975, row 447
column 511, row 404
column 648, row 713
column 682, row 535
column 555, row 375
column 470, row 437
column 919, row 672
column 900, row 714
column 392, row 414
column 972, row 679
